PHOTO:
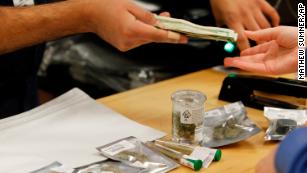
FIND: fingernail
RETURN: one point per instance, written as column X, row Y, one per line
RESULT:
column 173, row 36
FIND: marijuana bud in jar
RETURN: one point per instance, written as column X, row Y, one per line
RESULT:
column 188, row 110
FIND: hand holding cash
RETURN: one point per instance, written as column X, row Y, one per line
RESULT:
column 196, row 31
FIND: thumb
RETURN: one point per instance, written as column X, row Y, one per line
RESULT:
column 165, row 14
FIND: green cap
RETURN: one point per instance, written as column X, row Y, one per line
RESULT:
column 232, row 75
column 198, row 164
column 218, row 155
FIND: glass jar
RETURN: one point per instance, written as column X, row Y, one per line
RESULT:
column 187, row 116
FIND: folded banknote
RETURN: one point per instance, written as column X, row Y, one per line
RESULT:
column 196, row 31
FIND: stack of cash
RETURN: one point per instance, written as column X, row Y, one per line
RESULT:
column 196, row 31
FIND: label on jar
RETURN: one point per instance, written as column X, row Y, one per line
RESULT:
column 186, row 117
column 191, row 116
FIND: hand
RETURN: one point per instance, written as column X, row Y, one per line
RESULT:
column 267, row 164
column 244, row 14
column 125, row 25
column 277, row 53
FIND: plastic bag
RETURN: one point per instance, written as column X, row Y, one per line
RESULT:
column 282, row 121
column 96, row 63
column 226, row 125
column 48, row 168
column 107, row 167
column 134, row 153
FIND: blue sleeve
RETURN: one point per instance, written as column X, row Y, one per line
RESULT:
column 291, row 156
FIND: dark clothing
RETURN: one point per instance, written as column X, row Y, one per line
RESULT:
column 18, row 90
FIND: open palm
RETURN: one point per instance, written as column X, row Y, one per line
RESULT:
column 276, row 53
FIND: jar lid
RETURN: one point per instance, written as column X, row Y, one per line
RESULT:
column 189, row 97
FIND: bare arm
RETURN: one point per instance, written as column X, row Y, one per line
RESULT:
column 120, row 22
column 26, row 26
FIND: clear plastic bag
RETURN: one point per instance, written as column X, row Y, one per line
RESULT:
column 48, row 168
column 226, row 125
column 107, row 167
column 134, row 153
column 283, row 121
column 100, row 65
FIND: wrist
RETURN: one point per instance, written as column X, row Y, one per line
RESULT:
column 84, row 15
column 89, row 13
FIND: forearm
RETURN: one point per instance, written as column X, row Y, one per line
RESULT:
column 26, row 26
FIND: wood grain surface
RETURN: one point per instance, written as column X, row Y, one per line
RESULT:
column 151, row 106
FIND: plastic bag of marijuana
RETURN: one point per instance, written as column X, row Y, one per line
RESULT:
column 107, row 167
column 283, row 121
column 226, row 125
column 134, row 153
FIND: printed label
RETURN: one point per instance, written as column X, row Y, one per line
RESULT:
column 301, row 42
column 204, row 154
column 118, row 147
column 190, row 116
column 21, row 3
column 185, row 161
column 186, row 117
